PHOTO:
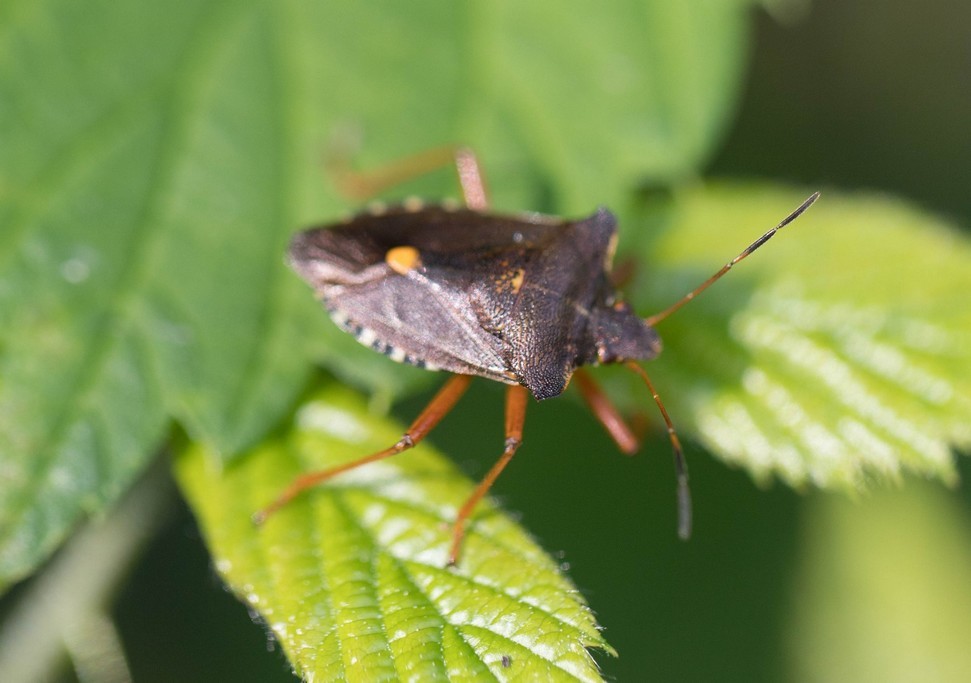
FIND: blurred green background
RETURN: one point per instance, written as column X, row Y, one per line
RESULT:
column 775, row 585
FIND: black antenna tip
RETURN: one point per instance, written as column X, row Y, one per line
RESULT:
column 794, row 215
column 810, row 200
column 684, row 509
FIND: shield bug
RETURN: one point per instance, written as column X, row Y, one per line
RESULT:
column 524, row 300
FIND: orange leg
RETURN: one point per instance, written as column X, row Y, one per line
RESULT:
column 438, row 408
column 516, row 399
column 365, row 184
column 606, row 413
column 470, row 178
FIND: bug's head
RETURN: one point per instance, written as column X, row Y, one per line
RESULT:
column 619, row 335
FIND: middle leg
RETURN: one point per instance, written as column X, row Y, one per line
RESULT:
column 606, row 413
column 516, row 399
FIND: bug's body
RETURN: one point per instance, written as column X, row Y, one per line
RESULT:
column 524, row 300
column 521, row 300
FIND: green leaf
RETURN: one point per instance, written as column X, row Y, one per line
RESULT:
column 646, row 85
column 882, row 593
column 839, row 352
column 351, row 576
column 155, row 159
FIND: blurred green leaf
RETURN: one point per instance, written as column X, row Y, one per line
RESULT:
column 598, row 100
column 882, row 593
column 155, row 158
column 351, row 576
column 840, row 352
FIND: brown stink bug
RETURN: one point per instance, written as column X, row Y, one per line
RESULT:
column 523, row 300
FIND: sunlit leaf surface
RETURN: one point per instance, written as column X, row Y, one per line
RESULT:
column 839, row 352
column 351, row 577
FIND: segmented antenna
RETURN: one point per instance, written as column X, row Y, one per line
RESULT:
column 680, row 466
column 658, row 317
